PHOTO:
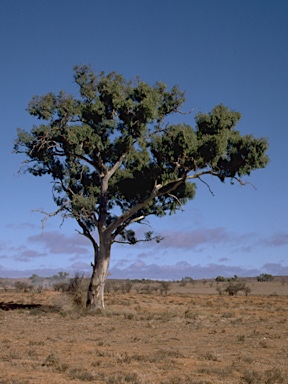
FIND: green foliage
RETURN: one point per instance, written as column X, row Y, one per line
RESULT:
column 186, row 280
column 35, row 279
column 220, row 278
column 265, row 277
column 114, row 160
column 233, row 278
column 60, row 276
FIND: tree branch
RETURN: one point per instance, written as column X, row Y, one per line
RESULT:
column 88, row 235
column 156, row 192
column 185, row 113
column 118, row 163
column 157, row 238
column 52, row 214
column 207, row 185
column 176, row 198
column 122, row 227
column 243, row 183
column 196, row 175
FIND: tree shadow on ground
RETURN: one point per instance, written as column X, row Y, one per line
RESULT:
column 12, row 306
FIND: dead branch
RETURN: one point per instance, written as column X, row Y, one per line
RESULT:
column 207, row 185
column 176, row 198
column 185, row 113
column 52, row 214
column 244, row 183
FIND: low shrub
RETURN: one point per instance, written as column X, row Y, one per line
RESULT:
column 220, row 279
column 22, row 286
column 165, row 286
column 60, row 286
column 126, row 286
column 265, row 277
column 233, row 288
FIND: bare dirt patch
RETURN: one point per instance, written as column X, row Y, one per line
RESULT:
column 191, row 335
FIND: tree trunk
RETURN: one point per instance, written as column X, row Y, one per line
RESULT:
column 95, row 294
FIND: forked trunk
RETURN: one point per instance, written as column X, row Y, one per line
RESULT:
column 95, row 294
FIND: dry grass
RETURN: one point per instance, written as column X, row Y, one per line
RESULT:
column 191, row 335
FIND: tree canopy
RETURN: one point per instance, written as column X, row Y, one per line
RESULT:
column 114, row 160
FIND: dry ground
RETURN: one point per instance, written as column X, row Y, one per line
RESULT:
column 192, row 335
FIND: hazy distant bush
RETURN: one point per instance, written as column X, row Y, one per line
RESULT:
column 165, row 286
column 126, row 286
column 76, row 288
column 22, row 286
column 219, row 290
column 108, row 286
column 61, row 286
column 220, row 279
column 186, row 280
column 265, row 277
column 146, row 288
column 233, row 288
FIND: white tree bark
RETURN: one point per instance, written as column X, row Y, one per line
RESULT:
column 95, row 294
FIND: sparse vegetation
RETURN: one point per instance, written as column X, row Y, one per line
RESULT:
column 269, row 376
column 219, row 290
column 60, row 286
column 186, row 280
column 81, row 374
column 126, row 286
column 165, row 339
column 220, row 279
column 265, row 277
column 23, row 286
column 73, row 286
column 233, row 288
column 165, row 286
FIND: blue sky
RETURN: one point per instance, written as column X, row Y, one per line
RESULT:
column 220, row 51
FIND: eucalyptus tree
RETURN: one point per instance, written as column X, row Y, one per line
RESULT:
column 114, row 160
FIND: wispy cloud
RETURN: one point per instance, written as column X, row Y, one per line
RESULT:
column 80, row 266
column 195, row 239
column 223, row 259
column 144, row 255
column 199, row 240
column 58, row 243
column 241, row 242
column 122, row 263
column 25, row 255
column 25, row 225
column 2, row 246
column 276, row 269
column 277, row 239
column 22, row 254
